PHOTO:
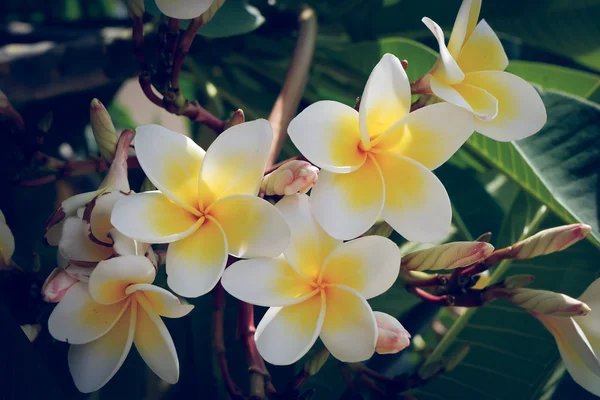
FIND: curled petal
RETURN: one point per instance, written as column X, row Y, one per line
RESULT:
column 447, row 256
column 97, row 214
column 446, row 67
column 68, row 208
column 163, row 302
column 76, row 245
column 286, row 334
column 111, row 278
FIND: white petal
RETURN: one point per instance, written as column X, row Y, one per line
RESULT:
column 464, row 25
column 310, row 244
column 369, row 265
column 253, row 226
column 195, row 264
column 78, row 319
column 417, row 204
column 286, row 334
column 110, row 279
column 385, row 99
column 328, row 134
column 163, row 302
column 183, row 9
column 483, row 51
column 123, row 245
column 171, row 161
column 349, row 330
column 154, row 343
column 235, row 162
column 93, row 364
column 347, row 205
column 591, row 322
column 7, row 243
column 521, row 112
column 152, row 218
column 97, row 215
column 446, row 67
column 267, row 282
column 474, row 99
column 75, row 243
column 430, row 135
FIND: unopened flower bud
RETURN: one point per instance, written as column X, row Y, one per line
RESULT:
column 548, row 303
column 31, row 331
column 380, row 228
column 447, row 256
column 456, row 357
column 135, row 8
column 103, row 129
column 316, row 362
column 391, row 337
column 518, row 281
column 291, row 178
column 236, row 118
column 549, row 241
column 56, row 285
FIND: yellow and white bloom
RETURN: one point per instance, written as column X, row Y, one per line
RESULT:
column 117, row 308
column 578, row 340
column 470, row 74
column 183, row 9
column 318, row 288
column 206, row 205
column 378, row 162
column 7, row 242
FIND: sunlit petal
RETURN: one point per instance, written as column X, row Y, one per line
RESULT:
column 474, row 99
column 327, row 133
column 349, row 330
column 78, row 319
column 253, row 227
column 183, row 9
column 195, row 264
column 93, row 364
column 151, row 217
column 310, row 244
column 286, row 334
column 235, row 162
column 267, row 282
column 446, row 67
column 369, row 265
column 110, row 279
column 171, row 161
column 154, row 343
column 465, row 23
column 346, row 205
column 430, row 135
column 416, row 203
column 386, row 98
column 482, row 51
column 75, row 244
column 521, row 112
column 163, row 302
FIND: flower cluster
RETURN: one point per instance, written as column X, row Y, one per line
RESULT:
column 367, row 163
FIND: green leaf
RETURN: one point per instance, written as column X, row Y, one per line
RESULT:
column 235, row 17
column 559, row 164
column 512, row 355
column 553, row 77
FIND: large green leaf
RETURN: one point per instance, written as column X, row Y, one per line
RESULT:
column 558, row 165
column 512, row 355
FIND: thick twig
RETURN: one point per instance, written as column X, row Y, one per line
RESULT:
column 295, row 81
column 184, row 47
column 256, row 365
column 218, row 339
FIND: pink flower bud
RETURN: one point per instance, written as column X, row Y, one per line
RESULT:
column 56, row 285
column 291, row 178
column 550, row 241
column 392, row 337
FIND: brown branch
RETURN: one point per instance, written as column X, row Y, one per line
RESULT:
column 184, row 47
column 256, row 365
column 218, row 339
column 295, row 81
column 138, row 39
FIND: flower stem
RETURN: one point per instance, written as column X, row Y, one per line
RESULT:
column 256, row 365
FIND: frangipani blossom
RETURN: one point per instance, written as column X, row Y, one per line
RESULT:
column 317, row 288
column 378, row 162
column 183, row 9
column 578, row 340
column 470, row 74
column 206, row 205
column 117, row 308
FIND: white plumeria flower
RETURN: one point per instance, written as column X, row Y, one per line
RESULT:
column 470, row 73
column 378, row 161
column 578, row 340
column 317, row 288
column 103, row 318
column 7, row 242
column 206, row 206
column 183, row 9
